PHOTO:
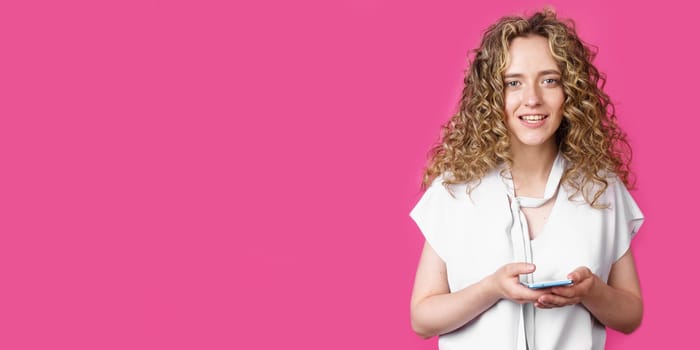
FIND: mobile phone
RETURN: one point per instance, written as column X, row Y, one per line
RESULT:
column 549, row 284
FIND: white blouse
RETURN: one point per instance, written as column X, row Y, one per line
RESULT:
column 472, row 235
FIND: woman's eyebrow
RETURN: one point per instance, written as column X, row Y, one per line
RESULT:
column 540, row 73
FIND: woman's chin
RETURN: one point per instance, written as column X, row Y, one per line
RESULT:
column 534, row 143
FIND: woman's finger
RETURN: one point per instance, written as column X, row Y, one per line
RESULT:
column 556, row 300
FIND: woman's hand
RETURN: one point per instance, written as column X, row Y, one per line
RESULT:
column 506, row 283
column 583, row 279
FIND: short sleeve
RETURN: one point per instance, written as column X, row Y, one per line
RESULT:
column 431, row 214
column 628, row 218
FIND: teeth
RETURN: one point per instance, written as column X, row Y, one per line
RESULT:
column 532, row 118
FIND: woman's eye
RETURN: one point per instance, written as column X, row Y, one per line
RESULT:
column 551, row 81
column 512, row 83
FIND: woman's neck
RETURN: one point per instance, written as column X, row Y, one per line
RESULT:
column 531, row 168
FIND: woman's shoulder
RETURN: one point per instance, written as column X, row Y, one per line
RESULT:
column 447, row 184
column 611, row 187
column 613, row 182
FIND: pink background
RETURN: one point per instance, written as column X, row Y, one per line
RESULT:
column 202, row 175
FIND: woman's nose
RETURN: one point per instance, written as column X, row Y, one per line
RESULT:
column 532, row 96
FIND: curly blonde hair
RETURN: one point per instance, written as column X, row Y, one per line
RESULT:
column 475, row 140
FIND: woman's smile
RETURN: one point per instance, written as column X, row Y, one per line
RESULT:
column 533, row 120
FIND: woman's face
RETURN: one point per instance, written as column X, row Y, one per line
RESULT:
column 533, row 93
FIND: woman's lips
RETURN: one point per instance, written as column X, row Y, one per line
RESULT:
column 533, row 120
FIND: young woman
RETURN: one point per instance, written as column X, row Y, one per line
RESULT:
column 528, row 184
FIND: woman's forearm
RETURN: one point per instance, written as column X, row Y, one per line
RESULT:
column 615, row 308
column 443, row 313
